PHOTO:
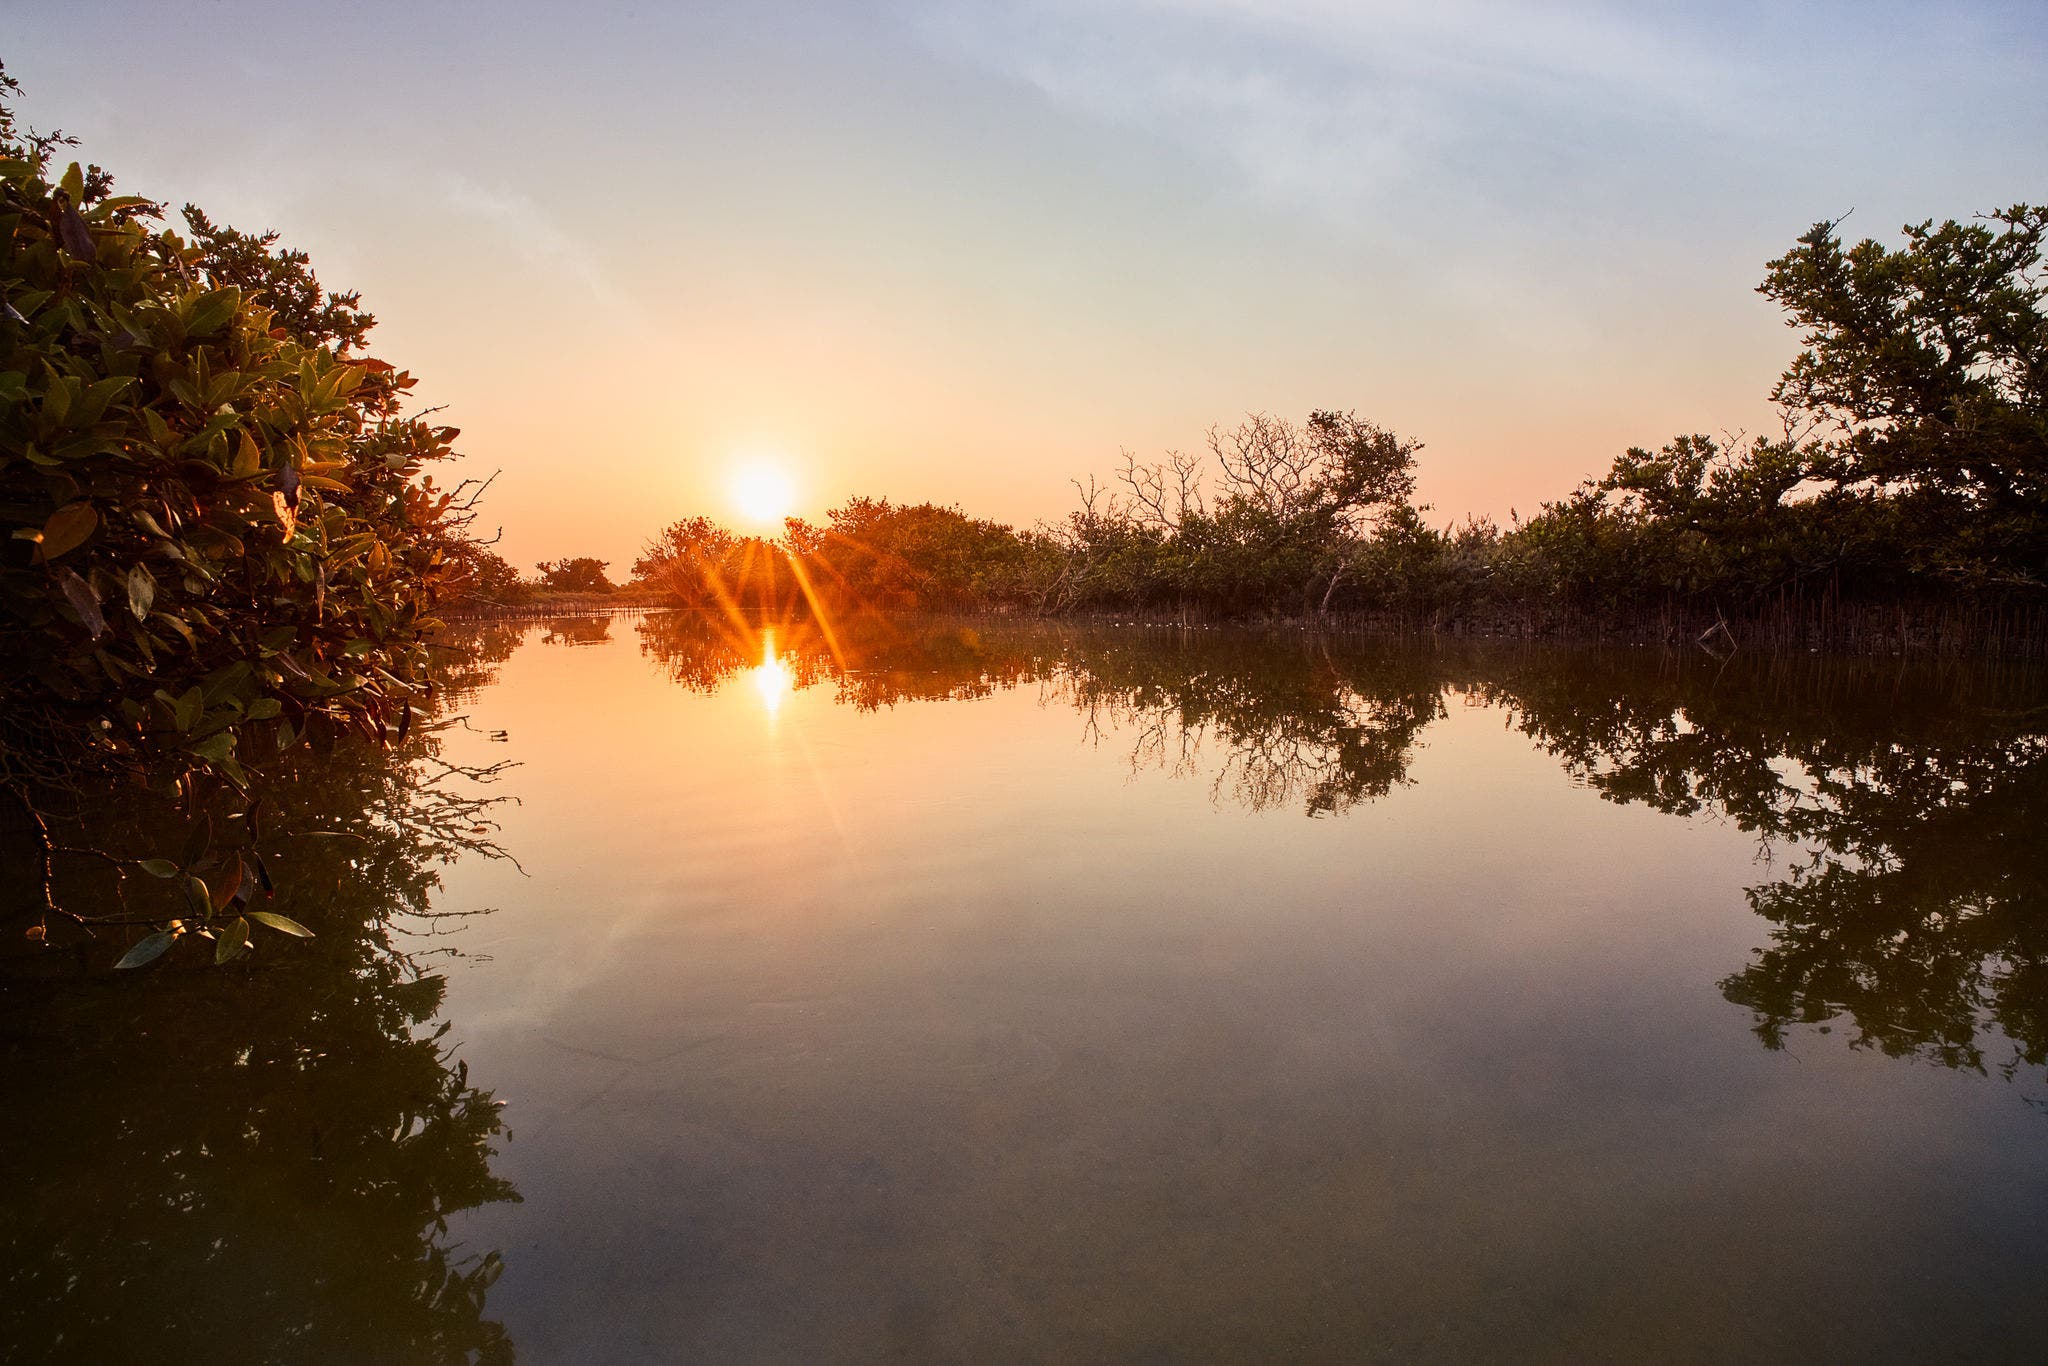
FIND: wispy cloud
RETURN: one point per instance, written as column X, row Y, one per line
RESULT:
column 526, row 228
column 1329, row 104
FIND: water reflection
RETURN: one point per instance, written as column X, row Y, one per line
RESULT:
column 259, row 1164
column 1906, row 808
column 576, row 630
column 1898, row 810
column 772, row 678
column 1288, row 723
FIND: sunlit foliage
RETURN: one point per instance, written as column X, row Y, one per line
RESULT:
column 578, row 574
column 223, row 541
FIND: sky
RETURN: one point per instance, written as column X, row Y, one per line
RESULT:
column 969, row 252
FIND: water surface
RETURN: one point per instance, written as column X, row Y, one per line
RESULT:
column 971, row 992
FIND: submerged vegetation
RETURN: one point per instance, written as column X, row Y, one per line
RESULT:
column 1904, row 504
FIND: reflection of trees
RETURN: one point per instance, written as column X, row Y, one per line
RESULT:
column 576, row 630
column 1288, row 719
column 870, row 661
column 1917, row 904
column 1907, row 805
column 258, row 1162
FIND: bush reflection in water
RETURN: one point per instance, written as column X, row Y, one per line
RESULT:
column 257, row 1163
column 1898, row 809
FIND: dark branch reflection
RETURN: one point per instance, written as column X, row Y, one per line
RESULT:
column 1901, row 809
column 259, row 1164
column 1286, row 721
column 1908, row 805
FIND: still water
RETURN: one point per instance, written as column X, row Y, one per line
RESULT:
column 985, row 993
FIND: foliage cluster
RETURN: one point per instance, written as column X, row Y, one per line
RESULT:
column 581, row 574
column 221, row 536
column 222, row 542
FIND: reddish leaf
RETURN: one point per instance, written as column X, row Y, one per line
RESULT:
column 67, row 529
column 226, row 882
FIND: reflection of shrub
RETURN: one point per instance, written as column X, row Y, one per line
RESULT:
column 277, row 1191
column 259, row 1164
column 1919, row 912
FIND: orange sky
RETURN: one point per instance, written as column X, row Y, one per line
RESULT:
column 967, row 253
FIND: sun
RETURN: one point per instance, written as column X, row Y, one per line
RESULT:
column 762, row 492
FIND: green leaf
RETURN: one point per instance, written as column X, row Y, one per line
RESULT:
column 214, row 308
column 158, row 867
column 177, row 624
column 74, row 234
column 282, row 923
column 147, row 950
column 98, row 395
column 141, row 591
column 189, row 708
column 66, row 530
column 215, row 747
column 263, row 708
column 248, row 458
column 120, row 202
column 232, row 941
column 197, row 893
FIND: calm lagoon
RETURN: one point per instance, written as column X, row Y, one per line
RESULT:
column 972, row 992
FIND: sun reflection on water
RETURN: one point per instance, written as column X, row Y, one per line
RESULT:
column 771, row 676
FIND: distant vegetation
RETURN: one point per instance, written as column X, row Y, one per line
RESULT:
column 1905, row 499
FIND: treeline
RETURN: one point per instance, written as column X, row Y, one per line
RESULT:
column 495, row 587
column 1905, row 502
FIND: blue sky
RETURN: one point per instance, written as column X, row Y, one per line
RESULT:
column 966, row 252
